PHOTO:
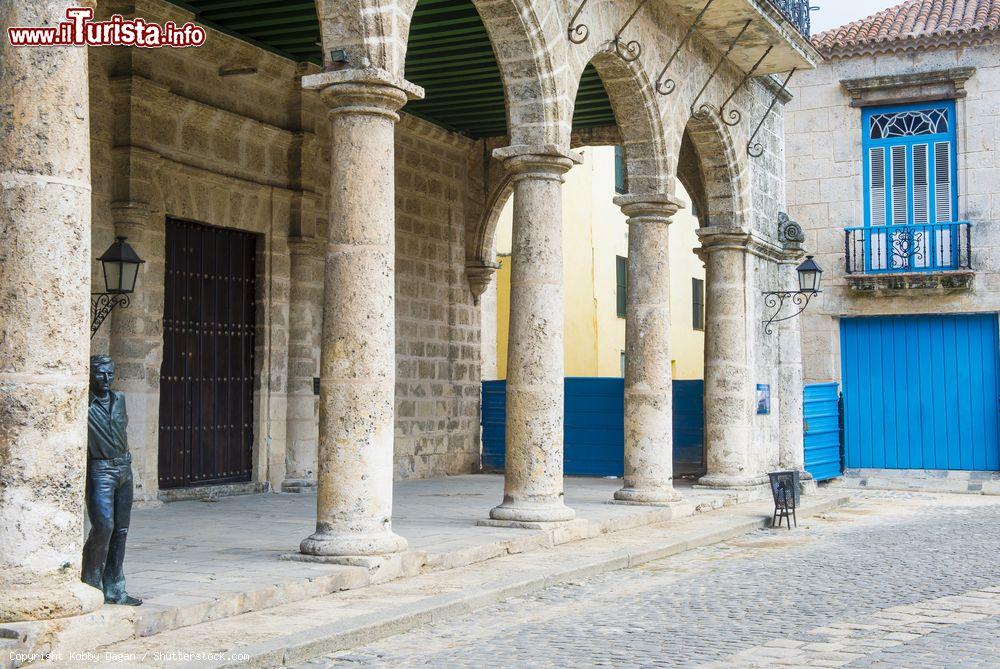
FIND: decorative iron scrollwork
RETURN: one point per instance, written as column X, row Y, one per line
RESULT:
column 734, row 116
column 756, row 149
column 631, row 50
column 705, row 109
column 668, row 86
column 578, row 32
column 907, row 245
column 101, row 306
column 776, row 300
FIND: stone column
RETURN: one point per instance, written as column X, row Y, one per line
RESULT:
column 729, row 391
column 649, row 462
column 791, row 449
column 45, row 261
column 533, row 472
column 304, row 322
column 358, row 347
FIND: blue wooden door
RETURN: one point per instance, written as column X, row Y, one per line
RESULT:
column 821, row 430
column 921, row 392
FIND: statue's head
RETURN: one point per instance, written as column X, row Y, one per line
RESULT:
column 102, row 373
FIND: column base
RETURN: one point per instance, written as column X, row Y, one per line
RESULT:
column 299, row 485
column 47, row 599
column 353, row 544
column 732, row 480
column 527, row 512
column 664, row 496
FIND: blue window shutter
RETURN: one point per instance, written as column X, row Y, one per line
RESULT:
column 909, row 165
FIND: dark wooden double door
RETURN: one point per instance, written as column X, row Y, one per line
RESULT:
column 207, row 377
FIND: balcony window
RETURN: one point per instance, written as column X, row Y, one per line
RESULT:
column 910, row 194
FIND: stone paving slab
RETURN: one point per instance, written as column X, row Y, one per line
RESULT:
column 198, row 561
column 295, row 632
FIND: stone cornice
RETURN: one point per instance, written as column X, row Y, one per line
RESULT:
column 716, row 238
column 911, row 87
column 909, row 43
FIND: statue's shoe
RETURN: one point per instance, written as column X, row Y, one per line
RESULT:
column 125, row 600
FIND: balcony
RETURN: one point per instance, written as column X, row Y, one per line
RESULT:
column 797, row 12
column 928, row 257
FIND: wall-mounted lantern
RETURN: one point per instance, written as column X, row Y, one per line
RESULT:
column 121, row 269
column 810, row 275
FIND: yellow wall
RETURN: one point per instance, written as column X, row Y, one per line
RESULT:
column 594, row 233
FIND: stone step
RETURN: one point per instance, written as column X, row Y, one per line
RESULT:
column 299, row 631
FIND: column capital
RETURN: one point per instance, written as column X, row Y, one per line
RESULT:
column 718, row 239
column 541, row 160
column 371, row 91
column 649, row 206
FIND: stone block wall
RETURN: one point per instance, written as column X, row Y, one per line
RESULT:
column 175, row 135
column 824, row 163
column 437, row 323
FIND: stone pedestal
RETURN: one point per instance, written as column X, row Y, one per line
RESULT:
column 358, row 348
column 649, row 462
column 304, row 323
column 729, row 391
column 45, row 261
column 533, row 472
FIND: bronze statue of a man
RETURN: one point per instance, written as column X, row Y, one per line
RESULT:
column 109, row 485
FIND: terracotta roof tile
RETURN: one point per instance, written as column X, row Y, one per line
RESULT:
column 913, row 19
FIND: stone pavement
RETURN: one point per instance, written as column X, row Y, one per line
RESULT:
column 907, row 580
column 194, row 551
column 296, row 631
column 199, row 561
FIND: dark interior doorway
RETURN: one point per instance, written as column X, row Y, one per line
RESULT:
column 206, row 381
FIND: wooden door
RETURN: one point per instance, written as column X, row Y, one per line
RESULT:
column 206, row 381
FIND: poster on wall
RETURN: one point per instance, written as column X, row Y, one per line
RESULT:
column 763, row 398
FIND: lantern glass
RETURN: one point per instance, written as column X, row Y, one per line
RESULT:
column 130, row 270
column 810, row 275
column 113, row 276
column 121, row 267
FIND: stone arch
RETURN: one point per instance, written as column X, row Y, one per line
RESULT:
column 713, row 173
column 527, row 45
column 640, row 126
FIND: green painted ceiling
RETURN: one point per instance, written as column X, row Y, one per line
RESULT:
column 449, row 54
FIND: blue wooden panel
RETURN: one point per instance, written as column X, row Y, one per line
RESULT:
column 821, row 413
column 594, row 426
column 921, row 392
column 494, row 418
column 689, row 426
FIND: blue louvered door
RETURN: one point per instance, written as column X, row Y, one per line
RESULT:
column 921, row 392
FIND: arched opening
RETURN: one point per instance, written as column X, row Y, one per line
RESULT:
column 709, row 168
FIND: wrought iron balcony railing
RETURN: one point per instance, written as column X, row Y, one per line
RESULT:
column 895, row 249
column 796, row 11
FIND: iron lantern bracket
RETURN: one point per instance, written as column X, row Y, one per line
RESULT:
column 101, row 306
column 776, row 299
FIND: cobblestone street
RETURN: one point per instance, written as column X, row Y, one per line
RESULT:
column 892, row 580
